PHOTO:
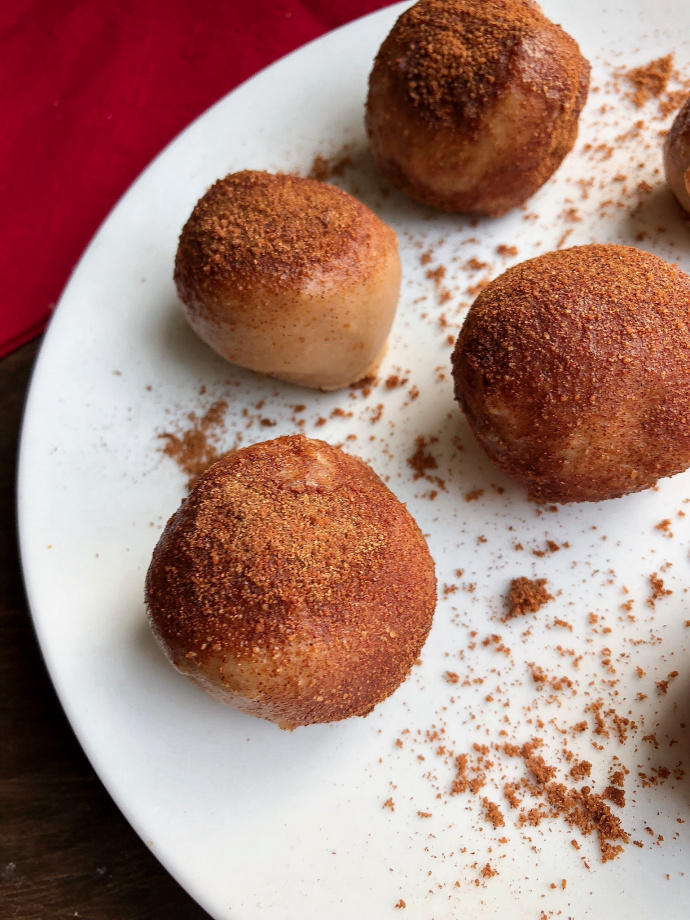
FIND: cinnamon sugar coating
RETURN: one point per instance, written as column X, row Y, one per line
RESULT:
column 292, row 584
column 473, row 104
column 289, row 277
column 573, row 370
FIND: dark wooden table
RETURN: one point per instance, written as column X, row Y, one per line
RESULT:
column 65, row 849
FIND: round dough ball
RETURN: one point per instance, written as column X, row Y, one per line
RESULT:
column 292, row 584
column 289, row 277
column 677, row 156
column 573, row 370
column 473, row 104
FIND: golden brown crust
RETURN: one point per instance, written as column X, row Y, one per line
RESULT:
column 573, row 370
column 293, row 584
column 474, row 103
column 289, row 277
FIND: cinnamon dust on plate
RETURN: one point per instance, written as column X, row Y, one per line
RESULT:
column 194, row 445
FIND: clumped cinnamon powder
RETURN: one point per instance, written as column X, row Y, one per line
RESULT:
column 325, row 168
column 650, row 80
column 195, row 446
column 665, row 527
column 492, row 813
column 659, row 80
column 539, row 795
column 527, row 595
column 469, row 777
column 581, row 769
column 658, row 591
column 422, row 461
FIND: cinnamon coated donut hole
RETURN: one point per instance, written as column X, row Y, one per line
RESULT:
column 677, row 156
column 473, row 104
column 289, row 277
column 573, row 370
column 292, row 584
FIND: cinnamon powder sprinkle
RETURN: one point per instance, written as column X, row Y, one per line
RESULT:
column 254, row 227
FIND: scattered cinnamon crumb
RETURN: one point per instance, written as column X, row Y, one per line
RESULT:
column 650, row 80
column 474, row 265
column 665, row 526
column 662, row 685
column 421, row 461
column 474, row 495
column 581, row 769
column 658, row 589
column 527, row 595
column 394, row 380
column 493, row 813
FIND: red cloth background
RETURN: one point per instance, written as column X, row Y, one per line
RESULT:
column 91, row 91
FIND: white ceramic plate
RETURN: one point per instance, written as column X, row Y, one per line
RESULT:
column 258, row 823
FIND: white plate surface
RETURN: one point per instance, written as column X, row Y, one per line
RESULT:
column 259, row 823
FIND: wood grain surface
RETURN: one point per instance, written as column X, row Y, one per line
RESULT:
column 65, row 849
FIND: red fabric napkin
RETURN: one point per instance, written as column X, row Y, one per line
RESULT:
column 91, row 92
